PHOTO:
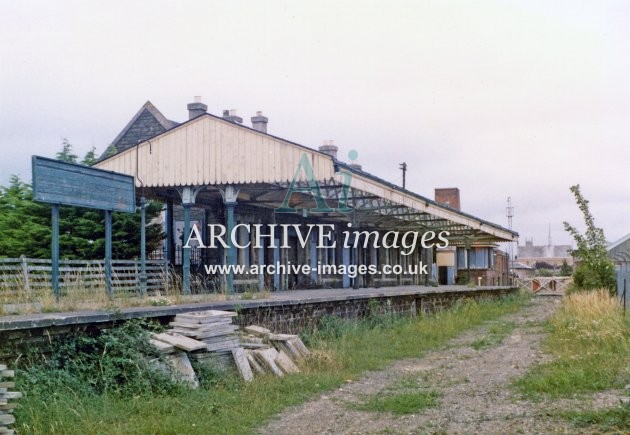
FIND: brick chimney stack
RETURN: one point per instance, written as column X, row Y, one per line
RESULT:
column 259, row 122
column 197, row 108
column 448, row 196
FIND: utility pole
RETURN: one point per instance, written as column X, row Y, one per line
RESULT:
column 509, row 212
column 403, row 168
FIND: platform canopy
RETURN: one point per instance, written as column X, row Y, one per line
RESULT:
column 210, row 153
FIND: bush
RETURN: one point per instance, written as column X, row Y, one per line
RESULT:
column 117, row 362
column 595, row 270
column 594, row 276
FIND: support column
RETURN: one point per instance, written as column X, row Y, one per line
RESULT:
column 373, row 255
column 186, row 251
column 345, row 256
column 312, row 242
column 276, row 262
column 231, row 251
column 357, row 262
column 261, row 262
column 429, row 256
column 188, row 195
column 143, row 246
column 229, row 198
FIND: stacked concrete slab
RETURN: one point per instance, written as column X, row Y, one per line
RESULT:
column 7, row 398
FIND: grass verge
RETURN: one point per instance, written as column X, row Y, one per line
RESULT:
column 610, row 420
column 342, row 350
column 589, row 340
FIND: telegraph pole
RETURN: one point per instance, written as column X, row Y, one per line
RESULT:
column 509, row 212
column 403, row 168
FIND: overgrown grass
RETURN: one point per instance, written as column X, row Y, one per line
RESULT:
column 590, row 342
column 342, row 350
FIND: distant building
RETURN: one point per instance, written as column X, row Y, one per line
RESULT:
column 523, row 271
column 619, row 252
column 554, row 255
column 479, row 263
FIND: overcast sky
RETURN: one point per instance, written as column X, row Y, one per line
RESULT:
column 498, row 98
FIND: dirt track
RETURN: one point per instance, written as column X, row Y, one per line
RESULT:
column 474, row 388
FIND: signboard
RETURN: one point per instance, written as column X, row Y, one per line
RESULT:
column 445, row 258
column 59, row 182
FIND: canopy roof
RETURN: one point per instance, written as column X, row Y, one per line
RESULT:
column 213, row 152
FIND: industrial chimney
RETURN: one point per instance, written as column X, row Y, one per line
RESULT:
column 259, row 122
column 197, row 108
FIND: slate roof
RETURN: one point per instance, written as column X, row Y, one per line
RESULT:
column 146, row 123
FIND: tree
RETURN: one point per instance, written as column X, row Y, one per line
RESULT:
column 110, row 151
column 543, row 265
column 565, row 269
column 25, row 225
column 90, row 157
column 66, row 154
column 594, row 269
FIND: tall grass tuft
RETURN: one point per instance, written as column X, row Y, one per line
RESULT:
column 590, row 342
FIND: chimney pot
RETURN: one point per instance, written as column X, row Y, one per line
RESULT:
column 197, row 108
column 259, row 122
column 230, row 115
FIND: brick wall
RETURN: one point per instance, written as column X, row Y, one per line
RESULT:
column 287, row 317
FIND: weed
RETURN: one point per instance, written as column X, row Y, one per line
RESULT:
column 399, row 403
column 615, row 419
column 115, row 362
column 497, row 332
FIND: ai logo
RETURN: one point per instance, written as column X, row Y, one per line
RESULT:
column 314, row 189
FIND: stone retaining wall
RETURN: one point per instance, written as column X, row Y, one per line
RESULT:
column 21, row 334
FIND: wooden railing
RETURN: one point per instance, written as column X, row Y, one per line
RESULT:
column 23, row 274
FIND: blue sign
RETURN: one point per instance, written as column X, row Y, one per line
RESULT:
column 58, row 182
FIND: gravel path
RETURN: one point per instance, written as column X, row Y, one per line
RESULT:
column 473, row 385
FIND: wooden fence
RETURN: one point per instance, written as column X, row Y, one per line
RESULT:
column 18, row 275
column 544, row 285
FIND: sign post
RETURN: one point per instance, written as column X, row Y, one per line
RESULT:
column 108, row 252
column 62, row 183
column 55, row 251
